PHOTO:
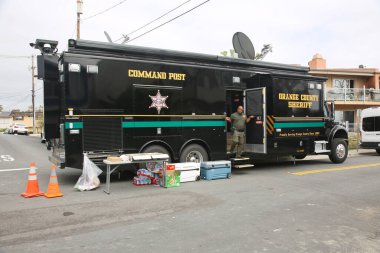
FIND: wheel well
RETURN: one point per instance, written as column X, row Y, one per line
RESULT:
column 199, row 142
column 159, row 143
column 340, row 134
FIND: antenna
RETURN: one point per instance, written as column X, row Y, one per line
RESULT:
column 125, row 38
column 243, row 46
column 108, row 37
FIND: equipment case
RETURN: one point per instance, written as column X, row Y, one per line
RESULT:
column 215, row 170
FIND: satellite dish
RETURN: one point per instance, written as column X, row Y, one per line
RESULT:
column 243, row 46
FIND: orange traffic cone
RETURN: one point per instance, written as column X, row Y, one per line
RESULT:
column 32, row 189
column 53, row 187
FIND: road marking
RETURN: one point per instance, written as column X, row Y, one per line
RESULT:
column 6, row 158
column 306, row 172
column 14, row 169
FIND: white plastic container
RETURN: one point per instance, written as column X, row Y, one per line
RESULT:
column 190, row 172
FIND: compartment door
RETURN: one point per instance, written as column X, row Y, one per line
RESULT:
column 255, row 105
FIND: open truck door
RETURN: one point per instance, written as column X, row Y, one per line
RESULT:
column 255, row 105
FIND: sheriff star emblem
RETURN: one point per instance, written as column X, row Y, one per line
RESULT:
column 158, row 101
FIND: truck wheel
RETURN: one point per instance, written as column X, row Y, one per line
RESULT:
column 300, row 157
column 339, row 151
column 378, row 151
column 194, row 153
column 157, row 149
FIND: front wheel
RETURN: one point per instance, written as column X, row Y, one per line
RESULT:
column 339, row 151
column 378, row 151
column 194, row 153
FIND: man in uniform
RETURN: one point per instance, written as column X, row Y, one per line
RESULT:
column 238, row 121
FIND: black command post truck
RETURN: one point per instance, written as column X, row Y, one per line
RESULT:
column 108, row 99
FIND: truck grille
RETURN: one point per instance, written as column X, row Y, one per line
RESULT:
column 102, row 134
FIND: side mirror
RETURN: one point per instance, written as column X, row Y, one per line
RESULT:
column 332, row 109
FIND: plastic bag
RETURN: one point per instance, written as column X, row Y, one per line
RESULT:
column 89, row 179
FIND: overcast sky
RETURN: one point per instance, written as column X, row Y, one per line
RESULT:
column 345, row 32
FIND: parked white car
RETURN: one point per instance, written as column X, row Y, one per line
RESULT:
column 18, row 129
column 370, row 129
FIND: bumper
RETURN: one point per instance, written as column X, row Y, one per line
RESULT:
column 20, row 131
column 370, row 145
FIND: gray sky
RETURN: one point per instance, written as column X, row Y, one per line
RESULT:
column 345, row 32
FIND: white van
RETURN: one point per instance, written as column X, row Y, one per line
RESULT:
column 370, row 129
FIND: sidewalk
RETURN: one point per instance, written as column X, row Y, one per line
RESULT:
column 351, row 153
column 35, row 135
column 356, row 152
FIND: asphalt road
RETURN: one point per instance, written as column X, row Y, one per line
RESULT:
column 321, row 207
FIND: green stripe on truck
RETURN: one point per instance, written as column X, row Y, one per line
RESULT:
column 298, row 124
column 193, row 123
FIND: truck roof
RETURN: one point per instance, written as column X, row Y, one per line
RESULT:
column 123, row 51
column 370, row 112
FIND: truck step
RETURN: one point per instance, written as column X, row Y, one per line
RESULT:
column 239, row 159
column 322, row 151
column 243, row 166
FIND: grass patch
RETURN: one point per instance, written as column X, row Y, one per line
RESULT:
column 353, row 140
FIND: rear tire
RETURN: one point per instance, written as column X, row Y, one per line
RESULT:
column 339, row 150
column 378, row 151
column 158, row 149
column 194, row 153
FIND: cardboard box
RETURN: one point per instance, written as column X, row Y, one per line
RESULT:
column 171, row 178
column 170, row 167
column 114, row 159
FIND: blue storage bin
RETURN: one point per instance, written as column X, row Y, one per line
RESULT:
column 215, row 170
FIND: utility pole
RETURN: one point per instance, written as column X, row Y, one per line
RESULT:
column 79, row 12
column 33, row 96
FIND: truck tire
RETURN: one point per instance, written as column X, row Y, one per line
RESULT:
column 193, row 153
column 378, row 151
column 339, row 150
column 158, row 149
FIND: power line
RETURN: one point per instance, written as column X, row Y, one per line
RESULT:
column 154, row 20
column 9, row 92
column 199, row 5
column 18, row 95
column 14, row 56
column 19, row 101
column 103, row 11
